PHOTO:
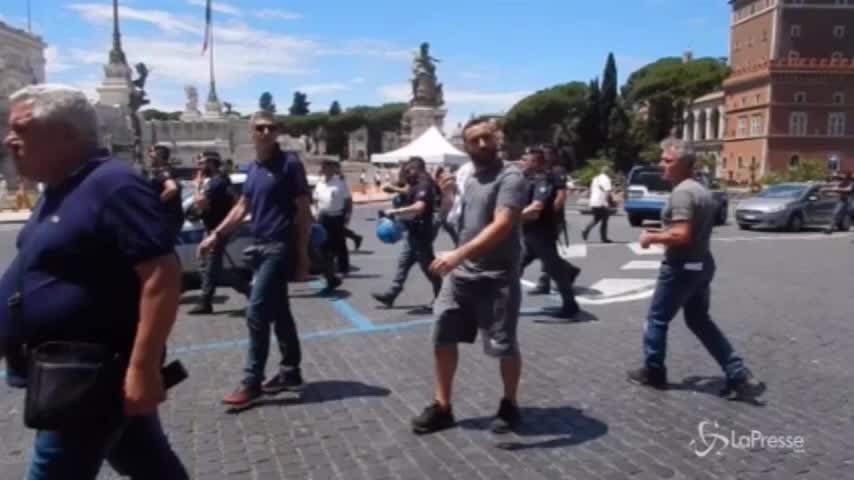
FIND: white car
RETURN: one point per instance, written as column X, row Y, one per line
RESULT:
column 193, row 232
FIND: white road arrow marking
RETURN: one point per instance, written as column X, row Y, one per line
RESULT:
column 652, row 250
column 642, row 265
column 612, row 290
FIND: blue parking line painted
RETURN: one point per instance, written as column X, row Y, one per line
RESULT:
column 229, row 344
column 346, row 310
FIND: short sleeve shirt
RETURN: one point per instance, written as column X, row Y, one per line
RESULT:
column 272, row 188
column 541, row 189
column 423, row 191
column 174, row 208
column 690, row 202
column 220, row 201
column 486, row 190
column 558, row 177
column 76, row 256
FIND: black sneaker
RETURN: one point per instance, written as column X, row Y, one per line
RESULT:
column 290, row 381
column 507, row 418
column 433, row 419
column 746, row 389
column 201, row 309
column 358, row 242
column 584, row 234
column 332, row 284
column 649, row 377
column 387, row 299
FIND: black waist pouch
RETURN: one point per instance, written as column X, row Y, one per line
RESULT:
column 72, row 385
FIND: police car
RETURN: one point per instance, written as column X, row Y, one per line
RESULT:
column 193, row 232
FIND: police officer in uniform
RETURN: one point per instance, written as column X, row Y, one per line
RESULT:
column 556, row 175
column 539, row 220
column 417, row 215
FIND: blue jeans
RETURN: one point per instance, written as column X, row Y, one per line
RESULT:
column 688, row 289
column 134, row 447
column 269, row 304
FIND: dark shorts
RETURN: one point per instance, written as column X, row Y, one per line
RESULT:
column 491, row 306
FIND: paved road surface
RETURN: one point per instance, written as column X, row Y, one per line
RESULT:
column 783, row 299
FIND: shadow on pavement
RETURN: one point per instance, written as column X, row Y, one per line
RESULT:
column 358, row 276
column 544, row 317
column 337, row 294
column 320, row 392
column 194, row 299
column 713, row 386
column 568, row 425
column 361, row 252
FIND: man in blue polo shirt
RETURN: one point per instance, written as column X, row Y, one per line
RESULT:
column 95, row 264
column 276, row 194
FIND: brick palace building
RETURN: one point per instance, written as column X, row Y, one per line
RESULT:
column 790, row 96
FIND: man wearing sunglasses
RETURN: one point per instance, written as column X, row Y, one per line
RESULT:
column 276, row 194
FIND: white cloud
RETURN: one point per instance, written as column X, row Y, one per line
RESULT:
column 55, row 62
column 220, row 7
column 276, row 14
column 168, row 22
column 321, row 88
column 395, row 92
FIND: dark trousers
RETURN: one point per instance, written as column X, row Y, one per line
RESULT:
column 600, row 216
column 448, row 228
column 686, row 286
column 839, row 214
column 545, row 249
column 269, row 305
column 335, row 248
column 212, row 273
column 417, row 248
column 544, row 282
column 355, row 237
column 135, row 447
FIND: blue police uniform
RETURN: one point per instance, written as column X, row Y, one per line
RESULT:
column 539, row 241
column 76, row 265
column 418, row 244
column 271, row 189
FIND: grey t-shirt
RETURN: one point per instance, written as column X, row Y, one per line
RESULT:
column 690, row 201
column 485, row 191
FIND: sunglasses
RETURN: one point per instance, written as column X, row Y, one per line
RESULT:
column 263, row 129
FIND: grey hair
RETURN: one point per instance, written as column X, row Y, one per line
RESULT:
column 61, row 104
column 682, row 149
column 262, row 115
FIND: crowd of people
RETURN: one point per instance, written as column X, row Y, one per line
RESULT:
column 96, row 266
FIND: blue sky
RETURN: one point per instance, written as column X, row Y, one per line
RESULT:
column 492, row 52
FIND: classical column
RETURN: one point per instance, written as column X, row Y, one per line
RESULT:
column 709, row 124
column 721, row 121
column 686, row 126
column 698, row 126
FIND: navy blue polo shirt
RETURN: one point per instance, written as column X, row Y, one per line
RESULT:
column 78, row 252
column 541, row 189
column 271, row 189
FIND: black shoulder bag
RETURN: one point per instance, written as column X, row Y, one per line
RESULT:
column 70, row 385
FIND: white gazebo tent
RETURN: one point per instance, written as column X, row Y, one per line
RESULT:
column 431, row 146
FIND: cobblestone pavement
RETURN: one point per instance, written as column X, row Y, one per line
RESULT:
column 784, row 301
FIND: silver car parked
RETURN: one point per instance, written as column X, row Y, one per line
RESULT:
column 790, row 206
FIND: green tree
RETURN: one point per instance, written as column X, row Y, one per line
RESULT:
column 609, row 94
column 590, row 126
column 805, row 171
column 621, row 149
column 335, row 108
column 532, row 119
column 584, row 175
column 300, row 104
column 678, row 79
column 265, row 103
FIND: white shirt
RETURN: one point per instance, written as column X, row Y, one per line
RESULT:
column 331, row 196
column 460, row 178
column 600, row 187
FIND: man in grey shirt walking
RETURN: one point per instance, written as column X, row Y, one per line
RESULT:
column 685, row 278
column 480, row 289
